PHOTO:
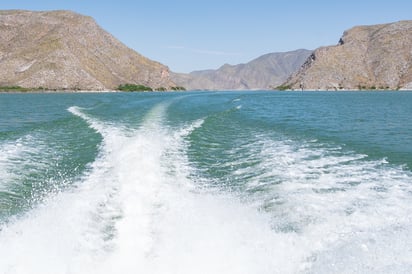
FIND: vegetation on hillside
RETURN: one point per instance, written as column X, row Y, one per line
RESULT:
column 134, row 87
column 178, row 88
column 20, row 89
column 283, row 87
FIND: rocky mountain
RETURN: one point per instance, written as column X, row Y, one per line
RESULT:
column 65, row 50
column 265, row 72
column 366, row 57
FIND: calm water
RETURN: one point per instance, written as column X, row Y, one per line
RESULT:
column 228, row 182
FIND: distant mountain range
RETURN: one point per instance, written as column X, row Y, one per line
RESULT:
column 366, row 57
column 65, row 50
column 266, row 72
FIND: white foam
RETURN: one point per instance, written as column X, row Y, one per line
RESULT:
column 139, row 210
column 67, row 232
column 94, row 123
column 8, row 151
column 338, row 202
column 184, row 230
column 18, row 158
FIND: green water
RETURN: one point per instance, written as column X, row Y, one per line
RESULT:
column 273, row 182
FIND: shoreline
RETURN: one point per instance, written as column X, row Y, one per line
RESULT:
column 58, row 91
column 217, row 90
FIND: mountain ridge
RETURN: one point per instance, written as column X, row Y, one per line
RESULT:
column 265, row 72
column 366, row 57
column 66, row 50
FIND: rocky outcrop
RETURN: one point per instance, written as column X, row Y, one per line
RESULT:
column 65, row 50
column 366, row 57
column 265, row 72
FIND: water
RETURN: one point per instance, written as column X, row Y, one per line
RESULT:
column 225, row 182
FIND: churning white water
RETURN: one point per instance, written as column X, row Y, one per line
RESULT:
column 139, row 209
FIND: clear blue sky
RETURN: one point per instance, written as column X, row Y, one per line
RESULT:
column 189, row 35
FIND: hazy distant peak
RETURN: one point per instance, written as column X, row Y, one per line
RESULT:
column 264, row 72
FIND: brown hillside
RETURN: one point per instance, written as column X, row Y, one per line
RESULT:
column 65, row 50
column 367, row 57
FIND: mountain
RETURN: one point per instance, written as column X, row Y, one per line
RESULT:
column 66, row 50
column 366, row 57
column 265, row 72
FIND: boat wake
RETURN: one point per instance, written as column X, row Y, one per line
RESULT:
column 143, row 207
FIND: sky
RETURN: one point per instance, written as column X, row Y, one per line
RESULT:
column 199, row 34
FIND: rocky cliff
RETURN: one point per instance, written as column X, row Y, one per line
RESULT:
column 65, row 50
column 366, row 57
column 265, row 72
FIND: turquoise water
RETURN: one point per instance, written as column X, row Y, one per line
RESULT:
column 206, row 182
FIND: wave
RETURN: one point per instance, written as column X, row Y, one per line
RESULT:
column 137, row 210
column 145, row 206
column 10, row 152
column 342, row 207
column 26, row 166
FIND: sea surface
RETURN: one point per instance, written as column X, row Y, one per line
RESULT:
column 206, row 182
